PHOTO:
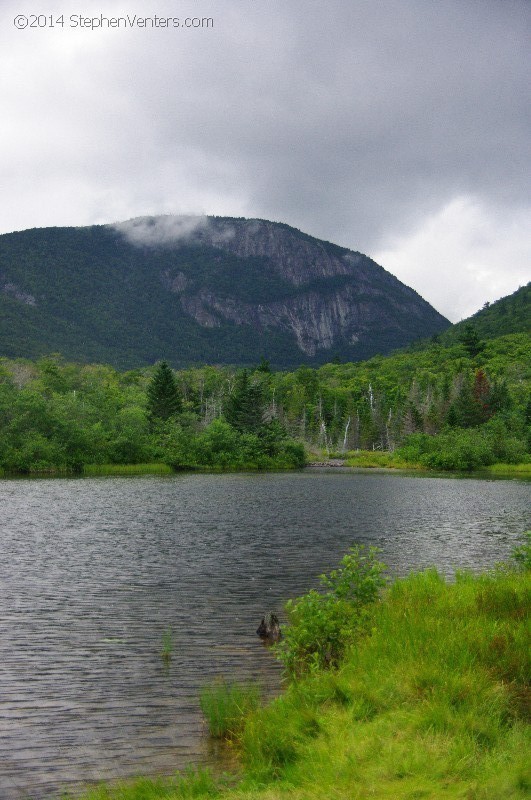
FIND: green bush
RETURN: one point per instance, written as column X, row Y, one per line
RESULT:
column 464, row 448
column 323, row 625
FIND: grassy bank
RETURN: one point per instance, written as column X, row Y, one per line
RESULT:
column 510, row 469
column 156, row 468
column 395, row 460
column 374, row 459
column 127, row 469
column 430, row 700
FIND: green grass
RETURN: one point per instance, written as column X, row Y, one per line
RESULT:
column 226, row 705
column 182, row 786
column 374, row 459
column 127, row 469
column 510, row 469
column 432, row 702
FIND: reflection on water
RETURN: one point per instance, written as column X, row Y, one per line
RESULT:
column 94, row 571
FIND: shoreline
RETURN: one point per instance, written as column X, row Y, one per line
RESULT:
column 459, row 717
column 499, row 470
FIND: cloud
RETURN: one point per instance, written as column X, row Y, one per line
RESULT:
column 358, row 122
column 463, row 252
column 161, row 231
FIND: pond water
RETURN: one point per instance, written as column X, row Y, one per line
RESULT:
column 94, row 571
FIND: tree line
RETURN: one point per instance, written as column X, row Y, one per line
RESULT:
column 457, row 406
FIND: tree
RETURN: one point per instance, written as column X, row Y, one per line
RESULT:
column 264, row 366
column 499, row 398
column 481, row 392
column 244, row 409
column 163, row 397
column 470, row 340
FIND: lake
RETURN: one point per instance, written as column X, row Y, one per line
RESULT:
column 93, row 571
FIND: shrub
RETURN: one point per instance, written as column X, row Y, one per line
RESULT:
column 323, row 625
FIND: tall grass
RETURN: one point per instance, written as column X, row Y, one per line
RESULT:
column 378, row 459
column 510, row 469
column 127, row 469
column 431, row 701
column 192, row 783
column 167, row 645
column 226, row 706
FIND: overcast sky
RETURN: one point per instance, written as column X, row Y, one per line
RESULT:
column 399, row 128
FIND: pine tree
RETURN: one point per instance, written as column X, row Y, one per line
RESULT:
column 244, row 409
column 470, row 340
column 163, row 396
column 499, row 398
column 264, row 366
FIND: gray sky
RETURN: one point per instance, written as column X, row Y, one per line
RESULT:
column 399, row 128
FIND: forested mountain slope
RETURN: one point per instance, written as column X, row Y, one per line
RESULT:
column 511, row 314
column 195, row 290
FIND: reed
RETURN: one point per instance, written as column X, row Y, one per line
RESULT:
column 186, row 785
column 167, row 644
column 226, row 706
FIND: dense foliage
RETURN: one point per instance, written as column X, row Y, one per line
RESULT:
column 60, row 416
column 508, row 315
column 441, row 407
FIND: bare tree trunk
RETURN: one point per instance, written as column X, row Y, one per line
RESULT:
column 322, row 432
column 345, row 437
column 390, row 443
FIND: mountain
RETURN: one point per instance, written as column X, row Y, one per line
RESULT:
column 200, row 290
column 511, row 314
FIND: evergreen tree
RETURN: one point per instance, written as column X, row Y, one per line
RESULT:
column 163, row 396
column 470, row 340
column 264, row 366
column 481, row 392
column 244, row 409
column 499, row 398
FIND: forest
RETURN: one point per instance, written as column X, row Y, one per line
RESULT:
column 461, row 405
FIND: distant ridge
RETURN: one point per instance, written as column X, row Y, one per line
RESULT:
column 510, row 314
column 197, row 290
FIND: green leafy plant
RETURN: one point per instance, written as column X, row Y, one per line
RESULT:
column 323, row 625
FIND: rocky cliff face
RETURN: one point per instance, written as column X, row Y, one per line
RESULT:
column 295, row 257
column 341, row 298
column 199, row 290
